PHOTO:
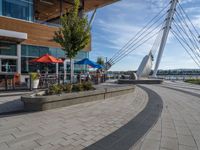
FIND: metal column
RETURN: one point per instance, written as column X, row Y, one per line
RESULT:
column 92, row 18
column 19, row 58
column 168, row 24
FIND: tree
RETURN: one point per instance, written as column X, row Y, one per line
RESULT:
column 100, row 61
column 74, row 33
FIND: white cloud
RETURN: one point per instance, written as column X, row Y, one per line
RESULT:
column 122, row 21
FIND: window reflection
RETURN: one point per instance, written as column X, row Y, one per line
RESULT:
column 30, row 52
column 7, row 48
column 9, row 65
column 21, row 9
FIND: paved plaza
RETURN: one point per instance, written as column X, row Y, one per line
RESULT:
column 84, row 125
column 74, row 127
column 179, row 125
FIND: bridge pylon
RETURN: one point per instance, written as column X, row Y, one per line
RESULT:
column 167, row 28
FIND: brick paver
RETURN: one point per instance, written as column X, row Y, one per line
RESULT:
column 10, row 104
column 179, row 125
column 73, row 127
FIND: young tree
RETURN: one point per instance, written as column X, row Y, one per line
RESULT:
column 100, row 61
column 74, row 33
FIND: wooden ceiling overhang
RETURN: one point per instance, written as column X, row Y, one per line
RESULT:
column 49, row 9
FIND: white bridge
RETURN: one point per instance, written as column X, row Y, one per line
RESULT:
column 171, row 18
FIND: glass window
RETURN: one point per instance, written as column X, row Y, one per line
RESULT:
column 43, row 50
column 57, row 52
column 9, row 65
column 0, row 7
column 21, row 9
column 30, row 52
column 8, row 49
column 82, row 55
column 33, row 67
column 33, row 51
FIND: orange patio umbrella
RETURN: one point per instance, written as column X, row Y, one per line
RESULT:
column 47, row 59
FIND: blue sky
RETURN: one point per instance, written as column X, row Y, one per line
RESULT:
column 115, row 24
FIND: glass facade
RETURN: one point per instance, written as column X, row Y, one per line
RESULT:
column 29, row 52
column 7, row 48
column 33, row 51
column 10, row 50
column 20, row 9
column 8, row 65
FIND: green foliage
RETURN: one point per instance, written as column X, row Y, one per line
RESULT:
column 34, row 76
column 67, row 88
column 87, row 86
column 77, row 87
column 193, row 81
column 55, row 89
column 100, row 61
column 74, row 33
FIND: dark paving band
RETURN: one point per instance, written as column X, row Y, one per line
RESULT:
column 126, row 136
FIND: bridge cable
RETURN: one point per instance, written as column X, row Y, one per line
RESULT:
column 138, row 46
column 188, row 19
column 186, row 42
column 156, row 41
column 142, row 30
column 176, row 36
column 184, row 30
column 179, row 38
column 181, row 17
column 127, row 46
column 135, row 44
column 130, row 48
column 179, row 28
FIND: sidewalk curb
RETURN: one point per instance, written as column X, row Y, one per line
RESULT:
column 7, row 94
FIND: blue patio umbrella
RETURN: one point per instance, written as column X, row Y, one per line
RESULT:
column 86, row 61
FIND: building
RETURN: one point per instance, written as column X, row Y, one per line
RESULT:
column 27, row 28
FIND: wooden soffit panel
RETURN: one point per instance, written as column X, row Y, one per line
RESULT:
column 49, row 9
column 93, row 4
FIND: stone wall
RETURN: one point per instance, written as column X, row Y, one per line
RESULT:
column 39, row 103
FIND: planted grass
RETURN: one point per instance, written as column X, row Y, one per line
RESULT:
column 193, row 81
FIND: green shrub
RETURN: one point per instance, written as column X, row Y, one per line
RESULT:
column 34, row 76
column 55, row 89
column 67, row 88
column 87, row 86
column 77, row 87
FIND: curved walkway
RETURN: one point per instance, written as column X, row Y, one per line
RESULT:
column 129, row 134
column 179, row 125
column 182, row 86
column 74, row 127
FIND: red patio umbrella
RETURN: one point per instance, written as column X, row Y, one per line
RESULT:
column 47, row 59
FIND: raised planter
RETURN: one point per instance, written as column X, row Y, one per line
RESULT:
column 39, row 103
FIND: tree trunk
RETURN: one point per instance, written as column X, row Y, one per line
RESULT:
column 71, row 71
column 65, row 71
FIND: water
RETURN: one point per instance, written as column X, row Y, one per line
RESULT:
column 179, row 77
